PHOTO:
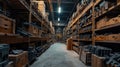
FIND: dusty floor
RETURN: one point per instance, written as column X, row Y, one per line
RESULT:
column 58, row 56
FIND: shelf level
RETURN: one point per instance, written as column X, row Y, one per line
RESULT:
column 14, row 39
column 106, row 41
column 108, row 27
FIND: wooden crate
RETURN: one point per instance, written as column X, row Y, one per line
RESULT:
column 98, row 61
column 7, row 25
column 20, row 60
column 86, row 57
column 69, row 44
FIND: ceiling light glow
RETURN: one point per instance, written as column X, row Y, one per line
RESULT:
column 59, row 9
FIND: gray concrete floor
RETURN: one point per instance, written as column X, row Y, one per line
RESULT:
column 58, row 56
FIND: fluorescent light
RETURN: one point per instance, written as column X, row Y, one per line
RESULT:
column 59, row 9
column 58, row 19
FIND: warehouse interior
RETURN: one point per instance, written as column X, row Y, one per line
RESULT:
column 59, row 33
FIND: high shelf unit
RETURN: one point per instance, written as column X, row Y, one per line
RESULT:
column 99, row 23
column 23, row 27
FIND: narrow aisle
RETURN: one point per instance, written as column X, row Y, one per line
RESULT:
column 58, row 56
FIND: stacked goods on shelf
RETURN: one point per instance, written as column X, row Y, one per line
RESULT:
column 103, row 7
column 114, row 20
column 113, row 37
column 19, row 59
column 32, row 28
column 110, row 37
column 4, row 51
column 113, row 60
column 101, row 23
column 86, row 29
column 41, row 8
column 86, row 37
column 7, row 25
column 107, row 22
column 100, row 37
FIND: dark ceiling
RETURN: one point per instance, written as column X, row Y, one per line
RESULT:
column 67, row 9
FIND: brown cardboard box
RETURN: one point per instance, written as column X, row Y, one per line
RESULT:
column 20, row 60
column 7, row 25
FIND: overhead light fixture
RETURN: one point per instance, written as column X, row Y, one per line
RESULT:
column 59, row 9
column 58, row 19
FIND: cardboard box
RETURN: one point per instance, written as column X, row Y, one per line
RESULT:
column 7, row 25
column 20, row 60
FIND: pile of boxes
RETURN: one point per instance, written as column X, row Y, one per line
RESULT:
column 4, row 51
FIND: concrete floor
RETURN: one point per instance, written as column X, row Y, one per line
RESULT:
column 58, row 56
